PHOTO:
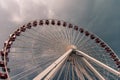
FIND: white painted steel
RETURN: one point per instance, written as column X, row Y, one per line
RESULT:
column 115, row 72
column 53, row 65
column 57, row 67
column 99, row 76
column 81, row 69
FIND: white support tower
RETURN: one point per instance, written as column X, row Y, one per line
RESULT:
column 49, row 72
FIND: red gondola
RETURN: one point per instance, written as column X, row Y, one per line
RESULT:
column 12, row 37
column 58, row 23
column 87, row 33
column 108, row 49
column 102, row 44
column 9, row 44
column 4, row 70
column 118, row 62
column 5, row 43
column 92, row 36
column 23, row 28
column 2, row 64
column 76, row 28
column 81, row 30
column 64, row 24
column 53, row 22
column 47, row 22
column 70, row 26
column 3, row 76
column 18, row 32
column 7, row 59
column 97, row 40
column 34, row 23
column 116, row 59
column 118, row 67
column 112, row 55
column 29, row 26
column 1, row 53
column 41, row 22
column 5, row 53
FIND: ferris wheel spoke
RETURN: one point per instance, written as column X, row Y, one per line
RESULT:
column 23, row 47
column 31, row 37
column 92, row 49
column 18, row 64
column 78, row 43
column 43, row 35
column 77, row 37
column 66, row 71
column 22, row 41
column 80, row 37
column 34, row 69
column 52, row 34
column 40, row 63
column 79, row 72
column 73, row 36
column 28, row 42
column 27, row 49
column 30, row 71
column 68, row 32
column 73, row 73
column 80, row 66
column 85, row 42
column 95, row 51
column 65, row 35
column 20, row 74
column 89, row 46
column 61, row 34
column 68, row 35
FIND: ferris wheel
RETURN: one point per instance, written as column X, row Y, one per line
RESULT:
column 57, row 50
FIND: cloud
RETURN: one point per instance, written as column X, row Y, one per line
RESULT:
column 14, row 13
column 97, row 16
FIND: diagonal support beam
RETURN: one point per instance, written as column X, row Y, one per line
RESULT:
column 100, row 77
column 80, row 68
column 54, row 71
column 53, row 65
column 115, row 72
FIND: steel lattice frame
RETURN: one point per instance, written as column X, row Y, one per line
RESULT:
column 35, row 45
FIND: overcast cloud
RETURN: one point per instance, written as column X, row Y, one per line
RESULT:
column 99, row 16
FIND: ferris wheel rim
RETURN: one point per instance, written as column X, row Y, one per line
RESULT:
column 7, row 45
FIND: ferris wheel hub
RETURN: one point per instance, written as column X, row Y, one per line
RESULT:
column 71, row 47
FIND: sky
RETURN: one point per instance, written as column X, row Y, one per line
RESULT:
column 101, row 17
